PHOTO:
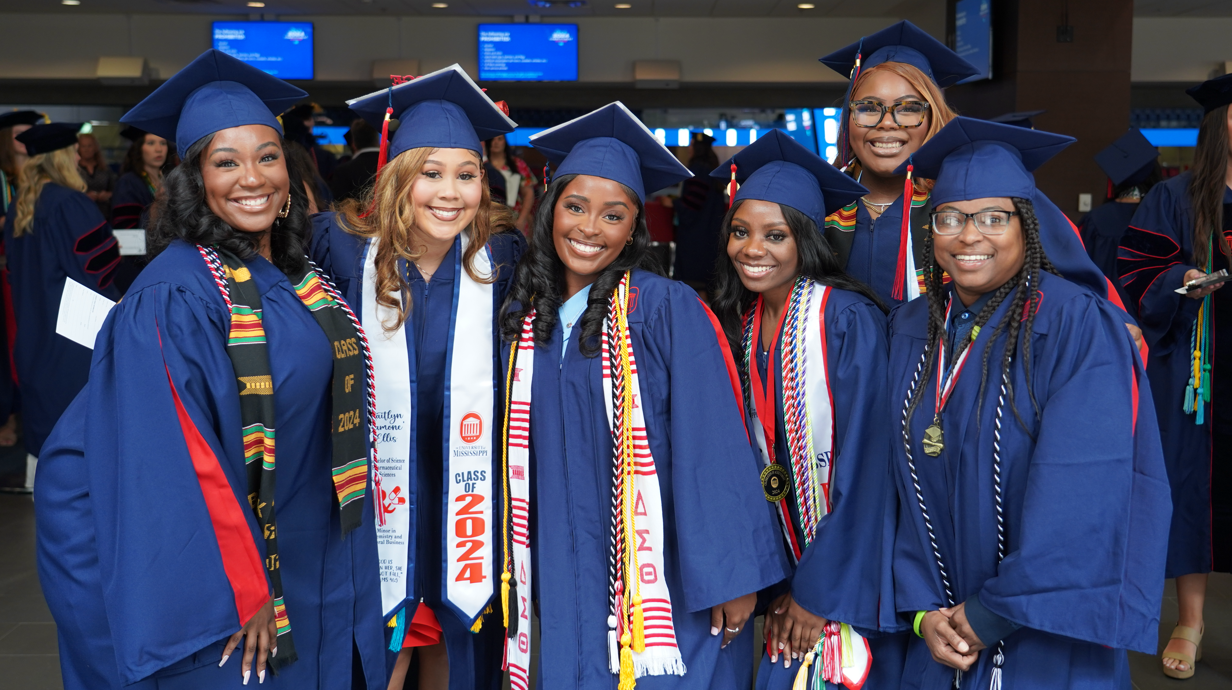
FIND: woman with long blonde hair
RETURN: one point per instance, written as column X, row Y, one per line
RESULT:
column 53, row 231
column 426, row 262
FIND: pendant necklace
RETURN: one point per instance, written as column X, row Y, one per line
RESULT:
column 934, row 439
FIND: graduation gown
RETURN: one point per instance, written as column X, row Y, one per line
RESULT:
column 1085, row 498
column 844, row 574
column 474, row 659
column 1155, row 254
column 68, row 239
column 129, row 201
column 699, row 220
column 1102, row 230
column 868, row 249
column 149, row 553
column 721, row 541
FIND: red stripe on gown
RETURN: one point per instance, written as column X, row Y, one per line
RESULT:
column 727, row 356
column 240, row 560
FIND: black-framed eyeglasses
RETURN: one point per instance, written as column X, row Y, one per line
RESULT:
column 906, row 114
column 987, row 222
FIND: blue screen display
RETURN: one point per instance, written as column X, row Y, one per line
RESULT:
column 283, row 49
column 973, row 36
column 528, row 52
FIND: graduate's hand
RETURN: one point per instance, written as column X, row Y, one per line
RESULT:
column 730, row 618
column 945, row 644
column 795, row 631
column 1136, row 334
column 260, row 635
column 1194, row 274
column 958, row 621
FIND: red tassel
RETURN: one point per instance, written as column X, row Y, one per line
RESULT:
column 382, row 158
column 504, row 107
column 545, row 177
column 900, row 274
column 1110, row 189
column 731, row 188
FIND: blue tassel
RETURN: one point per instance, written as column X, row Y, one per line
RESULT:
column 395, row 643
column 1189, row 398
column 1199, row 412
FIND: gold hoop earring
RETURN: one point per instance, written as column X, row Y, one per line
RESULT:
column 286, row 210
column 629, row 242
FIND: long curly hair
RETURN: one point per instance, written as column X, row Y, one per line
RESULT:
column 57, row 167
column 540, row 276
column 1012, row 323
column 817, row 261
column 181, row 213
column 386, row 212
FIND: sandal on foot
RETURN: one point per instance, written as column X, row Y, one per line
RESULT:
column 1183, row 632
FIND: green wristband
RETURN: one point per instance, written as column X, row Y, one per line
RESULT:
column 919, row 616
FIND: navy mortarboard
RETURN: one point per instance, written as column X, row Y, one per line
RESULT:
column 20, row 117
column 778, row 168
column 1212, row 93
column 1022, row 119
column 1129, row 159
column 213, row 93
column 613, row 144
column 47, row 138
column 903, row 42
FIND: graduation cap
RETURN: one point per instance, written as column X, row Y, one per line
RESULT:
column 1212, row 93
column 1129, row 158
column 444, row 109
column 974, row 159
column 213, row 93
column 20, row 117
column 902, row 42
column 613, row 144
column 47, row 138
column 134, row 134
column 701, row 138
column 1022, row 119
column 778, row 168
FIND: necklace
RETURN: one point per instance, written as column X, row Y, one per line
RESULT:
column 878, row 208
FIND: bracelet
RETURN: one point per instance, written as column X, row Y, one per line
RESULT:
column 919, row 616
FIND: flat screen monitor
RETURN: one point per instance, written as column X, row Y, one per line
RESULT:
column 528, row 52
column 973, row 35
column 283, row 49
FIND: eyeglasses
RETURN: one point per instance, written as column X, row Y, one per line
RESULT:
column 987, row 222
column 906, row 114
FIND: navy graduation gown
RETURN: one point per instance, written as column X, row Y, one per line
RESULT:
column 720, row 539
column 1085, row 498
column 68, row 239
column 844, row 574
column 1102, row 230
column 474, row 658
column 1155, row 254
column 129, row 201
column 149, row 553
column 868, row 249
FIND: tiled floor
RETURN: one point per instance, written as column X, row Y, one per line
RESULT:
column 29, row 658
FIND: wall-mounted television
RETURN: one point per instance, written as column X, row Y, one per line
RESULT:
column 973, row 35
column 528, row 52
column 283, row 49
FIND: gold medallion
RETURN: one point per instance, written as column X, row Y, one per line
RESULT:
column 774, row 482
column 933, row 444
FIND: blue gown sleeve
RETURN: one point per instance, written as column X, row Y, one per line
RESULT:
column 1089, row 559
column 1152, row 266
column 844, row 574
column 129, row 201
column 179, row 558
column 727, row 541
column 88, row 239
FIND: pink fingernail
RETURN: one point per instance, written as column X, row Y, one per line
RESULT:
column 260, row 677
column 714, row 630
column 274, row 651
column 224, row 660
column 246, row 674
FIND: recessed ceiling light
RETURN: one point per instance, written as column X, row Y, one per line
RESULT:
column 623, row 6
column 71, row 3
column 440, row 5
column 256, row 4
column 805, row 6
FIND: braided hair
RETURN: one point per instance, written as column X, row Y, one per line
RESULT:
column 1025, row 300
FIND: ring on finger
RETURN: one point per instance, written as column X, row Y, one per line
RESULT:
column 732, row 630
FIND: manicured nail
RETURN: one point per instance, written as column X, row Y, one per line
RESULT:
column 246, row 674
column 774, row 658
column 714, row 631
column 224, row 660
column 261, row 677
column 786, row 662
column 274, row 651
column 782, row 644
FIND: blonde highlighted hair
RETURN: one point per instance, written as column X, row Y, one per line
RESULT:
column 386, row 212
column 939, row 112
column 58, row 167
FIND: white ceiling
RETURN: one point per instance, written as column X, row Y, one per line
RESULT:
column 592, row 8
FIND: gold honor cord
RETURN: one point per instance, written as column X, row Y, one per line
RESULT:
column 634, row 619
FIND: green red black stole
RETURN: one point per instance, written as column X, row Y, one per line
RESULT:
column 249, row 353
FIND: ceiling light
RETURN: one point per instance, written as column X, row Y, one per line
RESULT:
column 805, row 6
column 623, row 6
column 256, row 4
column 440, row 5
column 71, row 3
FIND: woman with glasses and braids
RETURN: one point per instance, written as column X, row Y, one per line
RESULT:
column 812, row 350
column 1181, row 233
column 1033, row 497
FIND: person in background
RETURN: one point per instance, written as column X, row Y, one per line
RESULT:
column 100, row 180
column 1181, row 232
column 299, row 123
column 352, row 179
column 1032, row 489
column 12, row 152
column 176, row 530
column 645, row 559
column 53, row 232
column 12, row 158
column 792, row 314
column 510, row 180
column 1131, row 164
column 141, row 176
column 699, row 216
column 301, row 169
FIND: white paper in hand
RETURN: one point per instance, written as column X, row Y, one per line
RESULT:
column 82, row 312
